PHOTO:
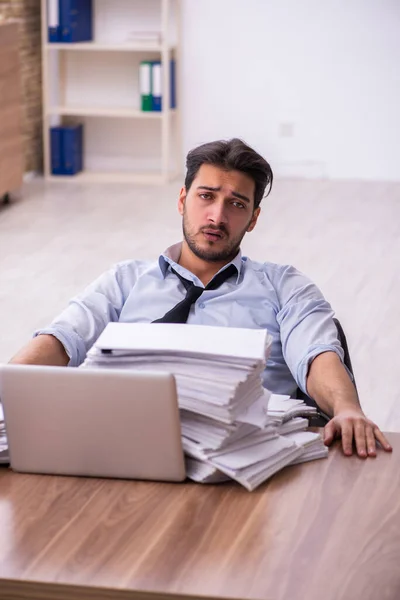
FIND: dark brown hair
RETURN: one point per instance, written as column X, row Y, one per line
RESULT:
column 231, row 155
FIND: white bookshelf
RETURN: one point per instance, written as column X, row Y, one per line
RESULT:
column 107, row 111
column 109, row 47
column 97, row 83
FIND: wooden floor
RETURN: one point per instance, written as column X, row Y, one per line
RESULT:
column 344, row 235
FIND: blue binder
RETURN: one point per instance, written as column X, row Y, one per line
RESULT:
column 156, row 79
column 76, row 18
column 56, row 158
column 72, row 149
column 173, row 84
column 156, row 85
column 66, row 146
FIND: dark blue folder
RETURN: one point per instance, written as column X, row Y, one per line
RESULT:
column 57, row 164
column 76, row 18
column 66, row 144
column 173, row 84
column 72, row 145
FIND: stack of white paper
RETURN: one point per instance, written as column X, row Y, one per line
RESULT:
column 222, row 448
column 212, row 434
column 251, row 465
column 250, row 459
column 217, row 369
column 256, row 465
column 312, row 444
column 228, row 429
column 202, row 472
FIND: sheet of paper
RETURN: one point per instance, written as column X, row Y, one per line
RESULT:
column 245, row 457
column 222, row 342
column 295, row 424
column 304, row 438
column 257, row 413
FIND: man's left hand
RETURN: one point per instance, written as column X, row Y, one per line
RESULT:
column 352, row 425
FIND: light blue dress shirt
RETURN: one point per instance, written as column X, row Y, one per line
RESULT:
column 262, row 295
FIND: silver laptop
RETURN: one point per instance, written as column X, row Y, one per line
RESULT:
column 100, row 422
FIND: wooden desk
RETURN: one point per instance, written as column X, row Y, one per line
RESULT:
column 328, row 530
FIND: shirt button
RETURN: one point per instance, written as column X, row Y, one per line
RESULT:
column 202, row 305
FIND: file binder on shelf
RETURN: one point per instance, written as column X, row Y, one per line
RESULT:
column 173, row 84
column 57, row 167
column 145, row 85
column 66, row 145
column 53, row 20
column 72, row 144
column 76, row 18
column 156, row 85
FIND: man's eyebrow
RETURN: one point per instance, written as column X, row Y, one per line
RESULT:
column 217, row 189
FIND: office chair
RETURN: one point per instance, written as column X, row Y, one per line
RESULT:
column 322, row 419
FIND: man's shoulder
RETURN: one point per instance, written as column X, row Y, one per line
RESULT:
column 127, row 272
column 135, row 266
column 270, row 268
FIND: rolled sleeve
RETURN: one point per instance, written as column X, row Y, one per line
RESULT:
column 81, row 323
column 306, row 323
column 73, row 344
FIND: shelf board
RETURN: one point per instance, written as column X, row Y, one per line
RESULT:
column 152, row 178
column 105, row 47
column 96, row 111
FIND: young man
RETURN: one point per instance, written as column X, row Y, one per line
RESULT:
column 205, row 280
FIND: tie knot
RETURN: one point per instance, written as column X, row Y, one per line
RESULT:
column 194, row 292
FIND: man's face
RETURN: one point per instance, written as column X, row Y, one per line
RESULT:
column 217, row 211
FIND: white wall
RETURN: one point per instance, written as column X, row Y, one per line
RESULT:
column 326, row 69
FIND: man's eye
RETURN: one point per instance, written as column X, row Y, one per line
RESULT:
column 238, row 205
column 205, row 196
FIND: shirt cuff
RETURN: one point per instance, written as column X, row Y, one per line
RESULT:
column 73, row 344
column 313, row 352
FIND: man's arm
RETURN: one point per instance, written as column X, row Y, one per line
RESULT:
column 68, row 338
column 314, row 355
column 42, row 350
column 329, row 384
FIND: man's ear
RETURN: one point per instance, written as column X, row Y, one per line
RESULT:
column 254, row 218
column 181, row 201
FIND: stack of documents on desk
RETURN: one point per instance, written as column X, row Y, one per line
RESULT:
column 217, row 369
column 227, row 431
column 251, row 464
column 257, row 446
column 244, row 464
column 4, row 457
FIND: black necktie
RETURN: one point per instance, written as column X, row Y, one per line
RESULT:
column 180, row 312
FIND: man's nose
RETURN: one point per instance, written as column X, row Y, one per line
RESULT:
column 217, row 213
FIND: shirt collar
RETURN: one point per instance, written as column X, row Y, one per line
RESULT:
column 171, row 256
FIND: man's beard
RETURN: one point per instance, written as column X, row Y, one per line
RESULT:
column 227, row 253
